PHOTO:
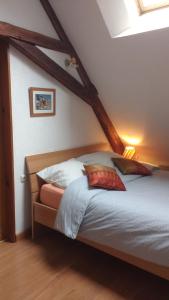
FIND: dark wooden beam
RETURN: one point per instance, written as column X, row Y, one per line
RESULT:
column 62, row 35
column 97, row 106
column 7, row 145
column 18, row 36
column 107, row 126
column 55, row 21
column 52, row 68
column 8, row 30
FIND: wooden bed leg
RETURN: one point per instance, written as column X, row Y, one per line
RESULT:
column 35, row 225
column 33, row 230
column 37, row 230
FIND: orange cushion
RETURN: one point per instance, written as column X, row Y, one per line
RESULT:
column 128, row 167
column 104, row 177
column 51, row 195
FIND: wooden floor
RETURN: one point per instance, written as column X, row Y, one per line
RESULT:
column 54, row 267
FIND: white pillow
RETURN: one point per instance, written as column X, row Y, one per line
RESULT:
column 102, row 157
column 62, row 174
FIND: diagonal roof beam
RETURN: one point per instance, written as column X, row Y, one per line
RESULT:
column 62, row 35
column 107, row 126
column 18, row 36
column 96, row 104
column 35, row 38
column 52, row 68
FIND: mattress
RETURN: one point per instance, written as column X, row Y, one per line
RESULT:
column 51, row 195
column 135, row 222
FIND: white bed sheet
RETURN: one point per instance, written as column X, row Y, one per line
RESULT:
column 135, row 222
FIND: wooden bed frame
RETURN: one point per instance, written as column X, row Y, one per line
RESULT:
column 42, row 214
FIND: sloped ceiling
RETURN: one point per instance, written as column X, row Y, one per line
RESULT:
column 131, row 74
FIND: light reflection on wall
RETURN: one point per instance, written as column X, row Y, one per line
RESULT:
column 132, row 140
column 132, row 143
column 142, row 151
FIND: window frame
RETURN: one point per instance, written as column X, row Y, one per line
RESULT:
column 144, row 9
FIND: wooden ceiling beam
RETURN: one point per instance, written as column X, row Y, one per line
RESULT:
column 62, row 35
column 96, row 104
column 8, row 30
column 107, row 126
column 52, row 68
column 25, row 41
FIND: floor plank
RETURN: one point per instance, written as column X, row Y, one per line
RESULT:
column 56, row 268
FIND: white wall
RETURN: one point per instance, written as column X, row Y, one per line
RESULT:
column 115, row 15
column 131, row 74
column 74, row 123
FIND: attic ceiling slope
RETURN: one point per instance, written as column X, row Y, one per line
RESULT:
column 63, row 37
column 96, row 104
column 25, row 41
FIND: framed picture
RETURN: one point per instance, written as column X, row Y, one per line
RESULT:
column 42, row 102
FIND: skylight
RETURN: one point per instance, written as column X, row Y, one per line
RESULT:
column 148, row 5
column 123, row 18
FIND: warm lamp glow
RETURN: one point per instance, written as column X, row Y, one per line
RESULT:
column 129, row 152
column 130, row 140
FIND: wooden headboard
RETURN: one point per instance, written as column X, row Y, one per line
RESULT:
column 37, row 162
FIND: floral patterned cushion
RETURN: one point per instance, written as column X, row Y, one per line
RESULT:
column 103, row 177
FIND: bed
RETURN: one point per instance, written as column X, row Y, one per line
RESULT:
column 46, row 215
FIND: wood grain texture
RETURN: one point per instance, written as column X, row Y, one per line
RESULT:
column 55, row 268
column 63, row 36
column 45, row 215
column 35, row 38
column 161, row 271
column 7, row 145
column 24, row 235
column 87, row 91
column 36, row 163
column 1, row 176
column 98, row 108
column 20, row 37
column 34, row 183
column 107, row 126
column 52, row 68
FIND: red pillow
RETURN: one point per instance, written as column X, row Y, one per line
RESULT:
column 103, row 177
column 128, row 167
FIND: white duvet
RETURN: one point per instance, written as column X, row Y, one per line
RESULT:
column 135, row 222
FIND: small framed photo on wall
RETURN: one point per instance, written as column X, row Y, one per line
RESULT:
column 42, row 102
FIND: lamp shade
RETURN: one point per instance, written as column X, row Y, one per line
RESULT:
column 129, row 152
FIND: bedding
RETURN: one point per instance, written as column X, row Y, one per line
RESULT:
column 51, row 195
column 62, row 174
column 135, row 222
column 101, row 157
column 103, row 177
column 105, row 158
column 131, row 167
